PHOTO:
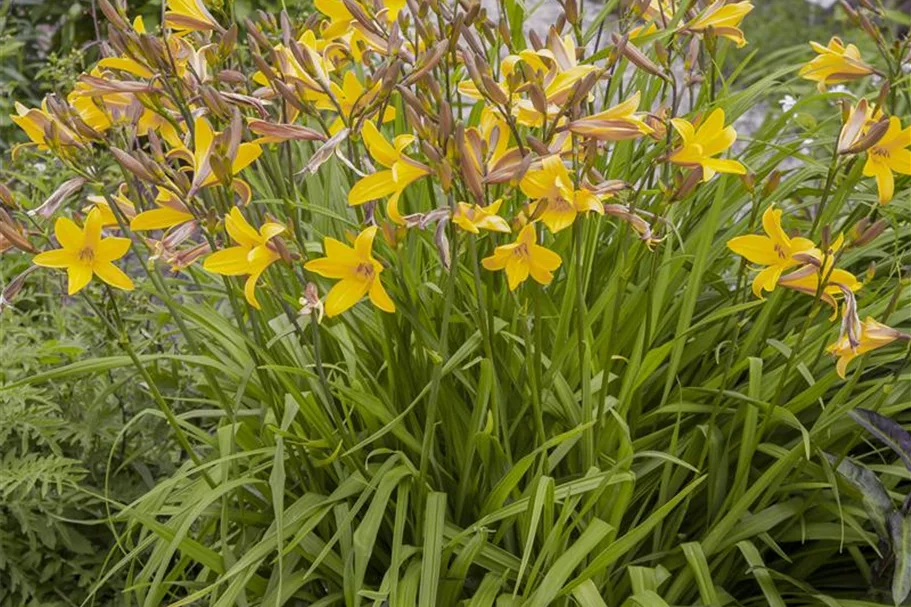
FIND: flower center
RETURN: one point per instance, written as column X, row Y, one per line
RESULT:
column 881, row 152
column 781, row 252
column 521, row 251
column 365, row 271
column 87, row 255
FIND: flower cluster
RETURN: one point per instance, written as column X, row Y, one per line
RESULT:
column 447, row 121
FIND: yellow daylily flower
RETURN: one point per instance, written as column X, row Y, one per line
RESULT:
column 356, row 270
column 37, row 122
column 189, row 15
column 858, row 121
column 171, row 212
column 401, row 172
column 723, row 20
column 889, row 154
column 702, row 143
column 349, row 94
column 873, row 335
column 204, row 140
column 474, row 218
column 656, row 16
column 124, row 205
column 835, row 63
column 775, row 250
column 340, row 18
column 522, row 258
column 553, row 184
column 85, row 253
column 837, row 281
column 250, row 257
column 618, row 123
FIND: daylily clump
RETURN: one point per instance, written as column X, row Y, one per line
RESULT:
column 454, row 147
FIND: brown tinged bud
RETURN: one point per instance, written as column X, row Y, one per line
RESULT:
column 871, row 138
column 53, row 202
column 869, row 28
column 390, row 78
column 628, row 50
column 231, row 77
column 826, row 237
column 864, row 232
column 883, row 94
column 585, row 86
column 113, row 15
column 14, row 233
column 445, row 121
column 686, row 186
column 6, row 197
column 493, row 90
column 771, row 183
column 571, row 11
column 849, row 11
column 749, row 181
column 12, row 289
column 427, row 62
column 538, row 98
column 133, row 165
column 539, row 147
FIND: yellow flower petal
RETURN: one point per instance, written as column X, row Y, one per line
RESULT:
column 113, row 275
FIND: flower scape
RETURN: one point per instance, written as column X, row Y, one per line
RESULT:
column 479, row 317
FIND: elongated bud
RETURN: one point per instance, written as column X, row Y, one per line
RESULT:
column 538, row 98
column 771, row 183
column 687, row 185
column 749, row 181
column 12, row 289
column 849, row 11
column 626, row 49
column 539, row 147
column 133, row 165
column 113, row 15
column 571, row 11
column 864, row 232
column 871, row 138
column 6, row 197
column 14, row 233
